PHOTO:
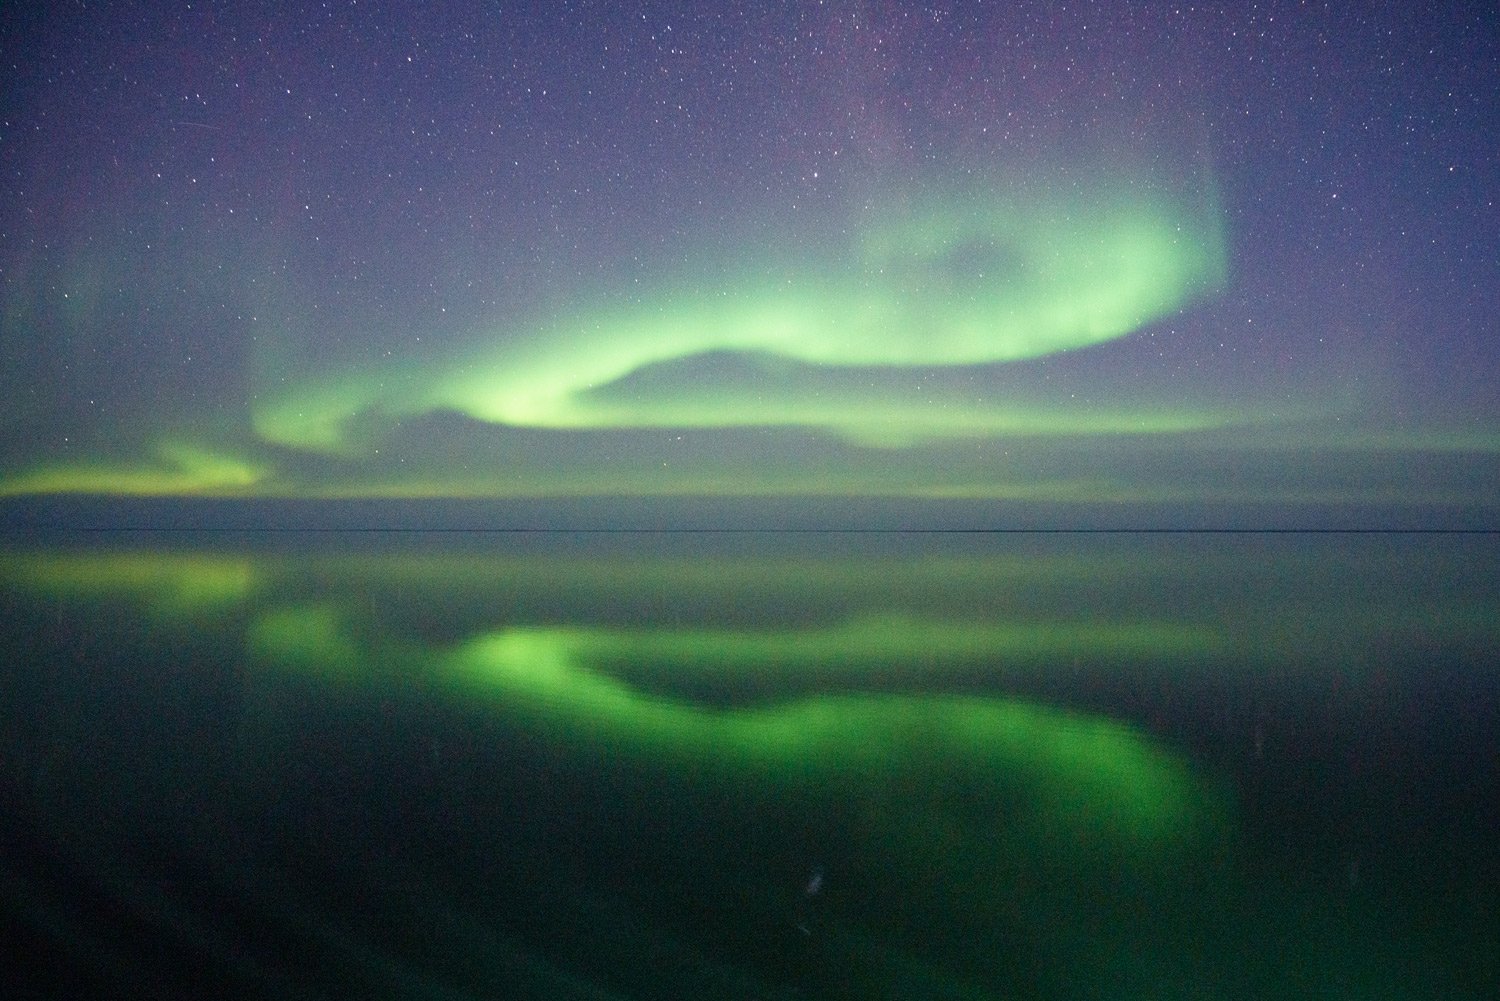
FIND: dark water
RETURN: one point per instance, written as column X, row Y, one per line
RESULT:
column 751, row 766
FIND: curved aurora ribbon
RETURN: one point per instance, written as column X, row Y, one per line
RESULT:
column 966, row 282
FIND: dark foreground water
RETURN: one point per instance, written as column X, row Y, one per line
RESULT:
column 751, row 766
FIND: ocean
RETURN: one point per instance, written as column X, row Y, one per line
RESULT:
column 750, row 765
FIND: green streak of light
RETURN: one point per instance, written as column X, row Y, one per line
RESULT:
column 967, row 281
column 181, row 468
column 175, row 586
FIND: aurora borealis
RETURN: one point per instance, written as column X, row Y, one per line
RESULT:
column 798, row 500
column 1006, row 253
column 614, row 767
column 924, row 293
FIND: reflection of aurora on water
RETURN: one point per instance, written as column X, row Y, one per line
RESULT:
column 1048, row 770
column 482, row 736
column 1052, row 774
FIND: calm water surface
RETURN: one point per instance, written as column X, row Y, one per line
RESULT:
column 751, row 766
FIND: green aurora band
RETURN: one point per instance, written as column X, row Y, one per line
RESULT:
column 962, row 282
column 909, row 357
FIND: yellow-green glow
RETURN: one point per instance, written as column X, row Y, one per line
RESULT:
column 181, row 467
column 173, row 585
column 1018, row 617
column 997, row 277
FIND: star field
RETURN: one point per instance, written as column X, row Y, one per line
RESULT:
column 353, row 249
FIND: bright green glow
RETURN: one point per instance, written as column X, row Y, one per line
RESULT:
column 1054, row 773
column 1010, row 813
column 1052, row 777
column 902, row 359
column 1086, row 773
column 1296, row 468
column 1007, row 813
column 1002, row 277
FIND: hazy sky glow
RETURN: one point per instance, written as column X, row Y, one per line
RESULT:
column 501, row 250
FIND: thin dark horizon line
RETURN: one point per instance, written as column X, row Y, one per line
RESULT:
column 722, row 530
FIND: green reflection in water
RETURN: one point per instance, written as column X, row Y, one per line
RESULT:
column 173, row 585
column 1006, row 811
column 1087, row 774
column 989, row 784
column 893, row 645
column 823, row 714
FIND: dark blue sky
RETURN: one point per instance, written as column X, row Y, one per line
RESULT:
column 981, row 250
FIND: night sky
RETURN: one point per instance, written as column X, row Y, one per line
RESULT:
column 1016, row 251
